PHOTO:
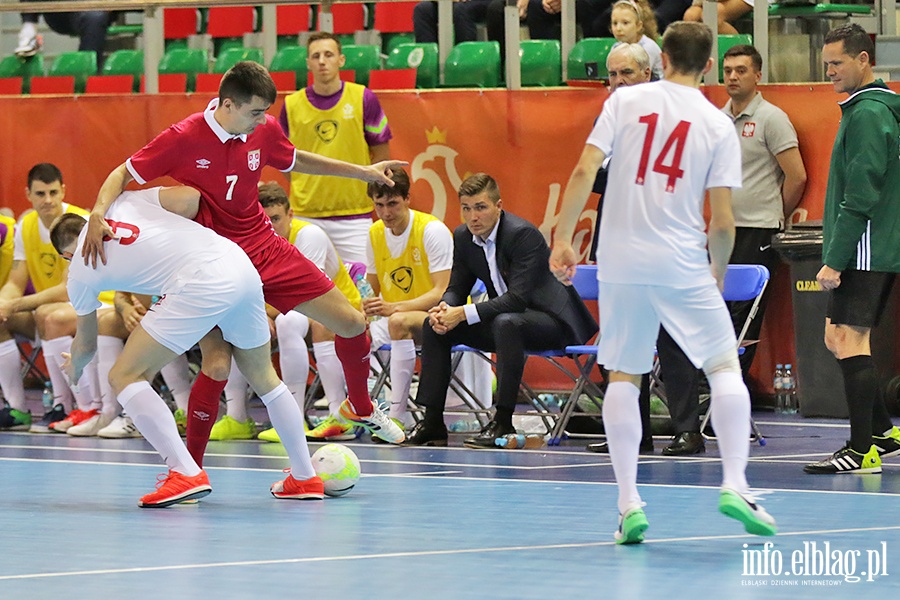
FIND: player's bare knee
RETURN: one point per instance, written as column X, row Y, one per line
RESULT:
column 399, row 326
column 726, row 362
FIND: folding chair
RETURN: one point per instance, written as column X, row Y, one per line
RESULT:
column 29, row 351
column 742, row 283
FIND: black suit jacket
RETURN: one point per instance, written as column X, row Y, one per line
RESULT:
column 523, row 261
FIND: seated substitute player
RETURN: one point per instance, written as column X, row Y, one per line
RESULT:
column 222, row 152
column 409, row 258
column 670, row 145
column 203, row 281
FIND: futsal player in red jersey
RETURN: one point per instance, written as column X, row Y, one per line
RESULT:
column 221, row 152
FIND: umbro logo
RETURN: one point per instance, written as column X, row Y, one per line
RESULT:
column 203, row 416
column 203, row 163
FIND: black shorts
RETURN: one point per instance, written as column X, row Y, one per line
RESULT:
column 860, row 299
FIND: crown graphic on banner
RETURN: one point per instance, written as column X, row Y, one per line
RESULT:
column 436, row 136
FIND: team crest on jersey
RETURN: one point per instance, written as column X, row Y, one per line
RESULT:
column 749, row 130
column 403, row 278
column 417, row 256
column 348, row 111
column 253, row 160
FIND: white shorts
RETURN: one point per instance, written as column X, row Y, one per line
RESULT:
column 378, row 331
column 349, row 236
column 630, row 316
column 226, row 292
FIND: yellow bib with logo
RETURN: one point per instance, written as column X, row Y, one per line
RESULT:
column 341, row 279
column 7, row 248
column 407, row 276
column 335, row 133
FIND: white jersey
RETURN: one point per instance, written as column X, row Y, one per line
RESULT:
column 670, row 144
column 156, row 251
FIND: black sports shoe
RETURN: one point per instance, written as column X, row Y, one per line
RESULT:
column 54, row 415
column 847, row 460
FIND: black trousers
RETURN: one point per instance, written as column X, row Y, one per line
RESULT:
column 509, row 336
column 466, row 15
column 89, row 26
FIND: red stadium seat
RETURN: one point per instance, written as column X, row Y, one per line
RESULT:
column 344, row 75
column 394, row 17
column 392, row 79
column 292, row 18
column 109, row 84
column 285, row 81
column 208, row 83
column 348, row 18
column 230, row 21
column 53, row 84
column 10, row 86
column 169, row 83
column 179, row 23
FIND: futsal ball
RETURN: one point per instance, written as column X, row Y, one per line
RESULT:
column 338, row 467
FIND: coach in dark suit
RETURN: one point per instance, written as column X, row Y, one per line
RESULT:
column 528, row 309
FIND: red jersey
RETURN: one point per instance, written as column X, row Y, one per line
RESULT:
column 225, row 169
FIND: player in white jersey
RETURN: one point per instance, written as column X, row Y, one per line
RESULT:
column 671, row 145
column 206, row 284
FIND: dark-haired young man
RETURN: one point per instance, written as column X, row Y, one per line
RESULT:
column 671, row 146
column 861, row 250
column 221, row 152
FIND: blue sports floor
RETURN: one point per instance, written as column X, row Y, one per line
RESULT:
column 440, row 523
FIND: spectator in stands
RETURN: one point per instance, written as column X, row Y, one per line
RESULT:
column 90, row 26
column 729, row 12
column 527, row 310
column 860, row 253
column 774, row 178
column 633, row 22
column 466, row 16
column 316, row 119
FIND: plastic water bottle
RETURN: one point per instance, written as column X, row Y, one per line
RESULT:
column 366, row 291
column 778, row 384
column 791, row 400
column 47, row 396
column 518, row 440
column 465, row 426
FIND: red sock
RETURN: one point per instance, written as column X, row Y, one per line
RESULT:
column 354, row 356
column 203, row 408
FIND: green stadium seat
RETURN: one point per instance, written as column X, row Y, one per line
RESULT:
column 587, row 60
column 185, row 60
column 729, row 41
column 473, row 64
column 389, row 41
column 13, row 66
column 541, row 63
column 421, row 57
column 78, row 64
column 293, row 59
column 230, row 57
column 125, row 62
column 361, row 60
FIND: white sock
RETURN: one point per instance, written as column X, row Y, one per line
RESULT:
column 622, row 422
column 288, row 422
column 177, row 375
column 28, row 31
column 52, row 357
column 730, row 406
column 403, row 364
column 293, row 355
column 155, row 422
column 108, row 350
column 10, row 378
column 237, row 395
column 331, row 374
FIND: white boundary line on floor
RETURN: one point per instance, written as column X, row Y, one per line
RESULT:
column 421, row 553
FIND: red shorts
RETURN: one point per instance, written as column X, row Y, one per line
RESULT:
column 288, row 277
